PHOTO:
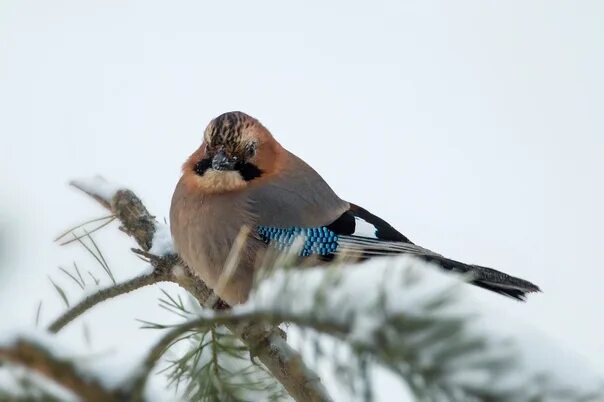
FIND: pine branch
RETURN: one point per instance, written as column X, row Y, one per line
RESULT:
column 238, row 323
column 106, row 294
column 266, row 343
column 230, row 374
column 402, row 325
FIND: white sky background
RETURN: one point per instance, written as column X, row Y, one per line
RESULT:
column 475, row 128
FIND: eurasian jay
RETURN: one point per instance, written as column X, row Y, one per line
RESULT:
column 241, row 177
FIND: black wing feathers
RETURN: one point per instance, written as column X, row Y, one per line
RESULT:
column 382, row 239
column 347, row 224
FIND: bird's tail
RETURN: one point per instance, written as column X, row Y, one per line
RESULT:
column 488, row 278
column 484, row 277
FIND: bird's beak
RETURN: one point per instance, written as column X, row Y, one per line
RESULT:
column 222, row 162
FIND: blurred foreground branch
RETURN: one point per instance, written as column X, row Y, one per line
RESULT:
column 37, row 358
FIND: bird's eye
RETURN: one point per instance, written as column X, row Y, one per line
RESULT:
column 250, row 150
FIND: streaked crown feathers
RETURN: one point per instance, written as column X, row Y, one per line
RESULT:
column 235, row 132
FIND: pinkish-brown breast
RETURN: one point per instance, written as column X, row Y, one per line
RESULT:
column 204, row 228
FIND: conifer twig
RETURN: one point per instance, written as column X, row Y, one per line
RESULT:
column 103, row 295
column 266, row 343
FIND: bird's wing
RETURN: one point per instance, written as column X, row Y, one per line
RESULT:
column 298, row 207
column 297, row 202
column 357, row 233
column 354, row 233
column 297, row 196
column 365, row 235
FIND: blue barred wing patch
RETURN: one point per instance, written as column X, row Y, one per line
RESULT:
column 319, row 241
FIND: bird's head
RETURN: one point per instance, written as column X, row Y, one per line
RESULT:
column 237, row 151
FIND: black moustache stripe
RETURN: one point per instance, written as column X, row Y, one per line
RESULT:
column 248, row 171
column 203, row 165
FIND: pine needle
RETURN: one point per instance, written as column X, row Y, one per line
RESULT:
column 87, row 335
column 100, row 254
column 70, row 275
column 94, row 278
column 60, row 291
column 38, row 313
column 70, row 230
column 87, row 233
column 75, row 266
column 99, row 258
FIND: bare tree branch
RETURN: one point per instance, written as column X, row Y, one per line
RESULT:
column 265, row 342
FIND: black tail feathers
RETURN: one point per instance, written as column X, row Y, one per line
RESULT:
column 488, row 278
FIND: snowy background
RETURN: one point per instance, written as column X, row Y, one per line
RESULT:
column 476, row 128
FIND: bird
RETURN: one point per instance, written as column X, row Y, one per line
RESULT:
column 240, row 178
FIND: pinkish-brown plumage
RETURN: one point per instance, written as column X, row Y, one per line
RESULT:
column 209, row 210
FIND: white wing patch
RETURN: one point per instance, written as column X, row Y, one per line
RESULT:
column 363, row 228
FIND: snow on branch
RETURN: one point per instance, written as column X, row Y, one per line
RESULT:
column 97, row 187
column 162, row 241
column 413, row 323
